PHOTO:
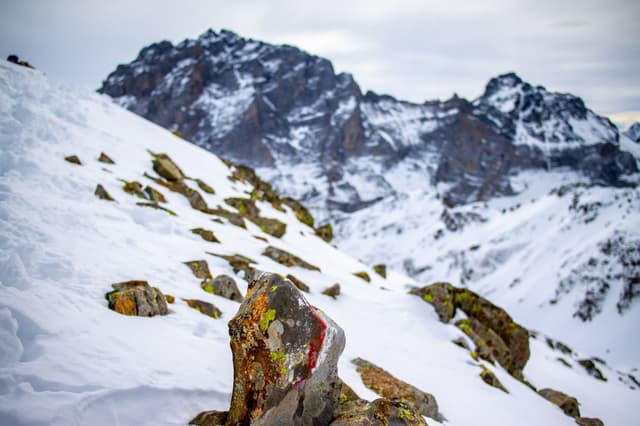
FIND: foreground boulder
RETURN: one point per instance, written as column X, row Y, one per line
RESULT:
column 137, row 298
column 285, row 356
column 384, row 384
column 496, row 335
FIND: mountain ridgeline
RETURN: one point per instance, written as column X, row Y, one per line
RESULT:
column 277, row 106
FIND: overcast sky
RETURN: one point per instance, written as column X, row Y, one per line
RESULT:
column 412, row 49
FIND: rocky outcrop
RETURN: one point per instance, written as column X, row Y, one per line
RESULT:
column 238, row 262
column 381, row 269
column 137, row 298
column 363, row 276
column 496, row 335
column 102, row 193
column 285, row 356
column 380, row 412
column 104, row 158
column 288, row 259
column 325, row 232
column 200, row 268
column 205, row 308
column 224, row 286
column 386, row 385
column 332, row 291
column 73, row 159
column 567, row 403
column 298, row 283
column 206, row 234
column 490, row 378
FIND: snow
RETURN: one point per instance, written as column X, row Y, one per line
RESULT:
column 66, row 359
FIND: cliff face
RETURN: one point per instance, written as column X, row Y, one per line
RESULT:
column 277, row 106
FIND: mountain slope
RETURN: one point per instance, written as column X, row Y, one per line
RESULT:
column 68, row 359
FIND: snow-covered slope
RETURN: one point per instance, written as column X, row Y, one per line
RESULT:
column 66, row 359
column 563, row 255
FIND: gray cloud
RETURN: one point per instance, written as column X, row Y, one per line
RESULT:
column 413, row 49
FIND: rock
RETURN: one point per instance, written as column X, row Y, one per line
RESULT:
column 137, row 298
column 591, row 368
column 102, row 193
column 441, row 297
column 203, row 186
column 325, row 232
column 154, row 195
column 200, row 268
column 333, row 291
column 205, row 308
column 285, row 356
column 133, row 188
column 73, row 159
column 567, row 403
column 104, row 158
column 381, row 412
column 157, row 207
column 238, row 262
column 501, row 338
column 285, row 258
column 386, row 385
column 270, row 226
column 587, row 421
column 223, row 285
column 195, row 199
column 210, row 418
column 301, row 286
column 462, row 342
column 381, row 269
column 302, row 214
column 169, row 298
column 363, row 276
column 206, row 234
column 233, row 218
column 490, row 378
column 165, row 167
column 245, row 206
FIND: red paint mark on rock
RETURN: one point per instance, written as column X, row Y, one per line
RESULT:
column 315, row 346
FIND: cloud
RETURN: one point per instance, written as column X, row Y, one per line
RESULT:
column 412, row 49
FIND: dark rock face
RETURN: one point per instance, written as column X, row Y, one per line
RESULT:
column 496, row 335
column 268, row 105
column 285, row 356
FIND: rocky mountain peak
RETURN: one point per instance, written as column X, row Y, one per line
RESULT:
column 282, row 109
column 633, row 132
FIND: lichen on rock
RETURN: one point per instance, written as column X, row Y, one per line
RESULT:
column 381, row 269
column 206, row 234
column 136, row 298
column 200, row 268
column 288, row 259
column 386, row 385
column 224, row 286
column 567, row 403
column 499, row 337
column 363, row 276
column 332, row 291
column 325, row 232
column 102, row 193
column 280, row 376
column 205, row 308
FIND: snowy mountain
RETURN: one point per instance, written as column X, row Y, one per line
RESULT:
column 522, row 194
column 633, row 132
column 94, row 195
column 286, row 110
